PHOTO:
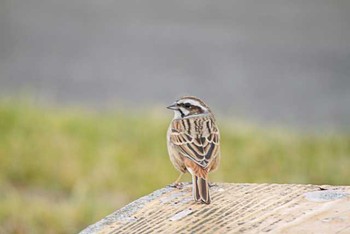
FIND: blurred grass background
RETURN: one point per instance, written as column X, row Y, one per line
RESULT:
column 63, row 169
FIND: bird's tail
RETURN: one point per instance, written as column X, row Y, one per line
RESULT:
column 201, row 189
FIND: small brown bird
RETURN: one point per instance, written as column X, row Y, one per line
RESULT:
column 193, row 143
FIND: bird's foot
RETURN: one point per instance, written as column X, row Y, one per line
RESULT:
column 177, row 185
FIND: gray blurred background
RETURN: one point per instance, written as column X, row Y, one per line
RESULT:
column 271, row 62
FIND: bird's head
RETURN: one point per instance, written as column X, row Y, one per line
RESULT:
column 188, row 106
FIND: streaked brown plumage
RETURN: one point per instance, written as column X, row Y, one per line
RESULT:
column 193, row 143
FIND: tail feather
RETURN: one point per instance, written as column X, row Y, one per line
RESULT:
column 195, row 191
column 201, row 190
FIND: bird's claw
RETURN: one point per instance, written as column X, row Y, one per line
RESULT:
column 176, row 185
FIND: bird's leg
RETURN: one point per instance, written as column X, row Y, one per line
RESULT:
column 177, row 184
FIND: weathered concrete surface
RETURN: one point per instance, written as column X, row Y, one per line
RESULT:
column 242, row 208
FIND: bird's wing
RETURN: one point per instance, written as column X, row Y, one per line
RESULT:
column 200, row 148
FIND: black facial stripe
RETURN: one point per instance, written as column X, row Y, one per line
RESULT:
column 187, row 105
column 182, row 114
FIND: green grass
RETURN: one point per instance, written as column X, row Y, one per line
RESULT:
column 63, row 169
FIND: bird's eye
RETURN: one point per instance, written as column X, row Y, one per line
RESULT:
column 187, row 105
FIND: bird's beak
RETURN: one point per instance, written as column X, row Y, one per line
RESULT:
column 173, row 106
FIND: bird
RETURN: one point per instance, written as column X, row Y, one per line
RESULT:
column 193, row 142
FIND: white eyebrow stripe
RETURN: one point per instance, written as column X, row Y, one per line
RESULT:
column 192, row 102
